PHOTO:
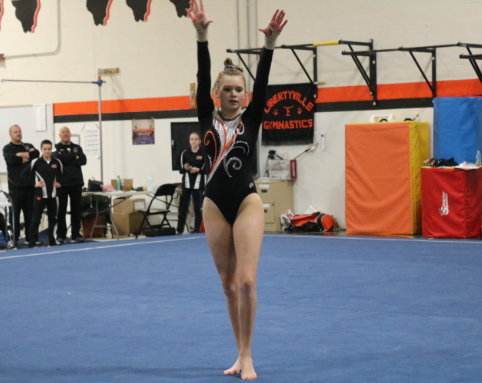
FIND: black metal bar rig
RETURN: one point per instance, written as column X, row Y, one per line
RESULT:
column 313, row 47
column 471, row 57
column 239, row 52
column 370, row 77
column 432, row 50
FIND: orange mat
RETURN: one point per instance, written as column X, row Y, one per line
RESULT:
column 382, row 176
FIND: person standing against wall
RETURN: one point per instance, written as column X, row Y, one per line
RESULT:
column 18, row 155
column 73, row 158
column 48, row 173
column 192, row 170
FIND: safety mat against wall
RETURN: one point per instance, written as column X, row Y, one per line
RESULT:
column 382, row 176
column 451, row 203
column 457, row 128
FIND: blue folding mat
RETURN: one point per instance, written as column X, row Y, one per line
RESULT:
column 457, row 128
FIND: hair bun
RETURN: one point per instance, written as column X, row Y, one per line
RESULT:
column 228, row 64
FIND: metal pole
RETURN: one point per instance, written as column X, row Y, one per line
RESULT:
column 54, row 81
column 434, row 73
column 100, row 133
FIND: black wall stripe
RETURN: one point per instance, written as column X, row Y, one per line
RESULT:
column 158, row 115
column 351, row 106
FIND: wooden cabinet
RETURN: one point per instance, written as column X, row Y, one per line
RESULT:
column 277, row 197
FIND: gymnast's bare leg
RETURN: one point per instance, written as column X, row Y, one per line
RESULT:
column 236, row 259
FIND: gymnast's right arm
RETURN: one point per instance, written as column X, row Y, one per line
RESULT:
column 205, row 104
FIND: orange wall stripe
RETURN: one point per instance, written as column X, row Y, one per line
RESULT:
column 336, row 94
column 396, row 91
column 123, row 106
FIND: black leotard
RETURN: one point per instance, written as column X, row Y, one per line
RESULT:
column 229, row 144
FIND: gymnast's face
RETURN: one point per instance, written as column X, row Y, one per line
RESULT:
column 231, row 93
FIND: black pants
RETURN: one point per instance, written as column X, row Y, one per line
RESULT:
column 75, row 194
column 2, row 227
column 22, row 200
column 197, row 198
column 38, row 208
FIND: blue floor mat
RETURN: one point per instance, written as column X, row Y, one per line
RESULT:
column 329, row 310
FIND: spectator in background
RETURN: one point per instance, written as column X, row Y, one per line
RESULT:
column 48, row 173
column 192, row 170
column 73, row 158
column 18, row 155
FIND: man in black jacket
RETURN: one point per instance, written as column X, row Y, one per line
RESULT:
column 18, row 155
column 72, row 157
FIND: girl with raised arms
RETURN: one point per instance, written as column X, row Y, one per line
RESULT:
column 233, row 213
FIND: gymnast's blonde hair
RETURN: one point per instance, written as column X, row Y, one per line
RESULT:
column 229, row 70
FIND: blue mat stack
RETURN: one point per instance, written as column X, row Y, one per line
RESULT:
column 457, row 128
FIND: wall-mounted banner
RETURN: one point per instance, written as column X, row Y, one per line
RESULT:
column 100, row 9
column 141, row 9
column 2, row 9
column 289, row 115
column 143, row 132
column 27, row 12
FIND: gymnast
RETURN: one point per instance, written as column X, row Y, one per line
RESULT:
column 233, row 213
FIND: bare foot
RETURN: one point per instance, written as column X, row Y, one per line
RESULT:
column 235, row 369
column 247, row 369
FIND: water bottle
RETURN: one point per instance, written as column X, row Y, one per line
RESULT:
column 150, row 183
column 118, row 183
column 478, row 159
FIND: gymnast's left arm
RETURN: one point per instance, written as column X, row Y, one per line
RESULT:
column 271, row 32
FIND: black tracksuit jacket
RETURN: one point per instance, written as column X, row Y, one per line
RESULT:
column 196, row 160
column 72, row 157
column 15, row 166
column 49, row 172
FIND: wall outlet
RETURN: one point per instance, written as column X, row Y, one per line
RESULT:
column 321, row 141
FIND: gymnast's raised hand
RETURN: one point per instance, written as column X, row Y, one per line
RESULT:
column 275, row 24
column 198, row 17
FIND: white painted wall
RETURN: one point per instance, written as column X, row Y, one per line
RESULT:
column 122, row 158
column 158, row 59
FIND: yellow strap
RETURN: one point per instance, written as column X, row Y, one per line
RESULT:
column 334, row 42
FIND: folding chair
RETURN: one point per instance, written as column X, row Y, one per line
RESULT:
column 164, row 194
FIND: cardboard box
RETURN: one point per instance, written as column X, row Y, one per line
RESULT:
column 129, row 205
column 126, row 184
column 127, row 223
